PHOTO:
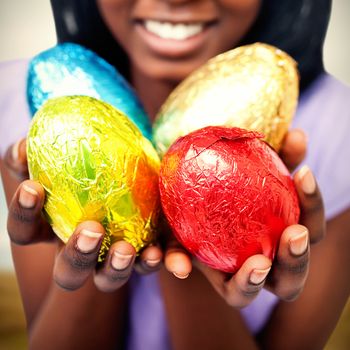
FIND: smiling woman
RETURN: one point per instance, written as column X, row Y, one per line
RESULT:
column 154, row 33
column 165, row 42
column 160, row 43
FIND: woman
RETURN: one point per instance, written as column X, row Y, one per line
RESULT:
column 143, row 40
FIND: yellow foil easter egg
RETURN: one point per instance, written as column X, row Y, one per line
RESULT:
column 253, row 87
column 94, row 164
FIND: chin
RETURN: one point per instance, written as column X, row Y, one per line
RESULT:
column 172, row 71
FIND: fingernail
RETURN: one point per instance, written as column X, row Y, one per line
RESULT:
column 308, row 183
column 299, row 243
column 88, row 240
column 257, row 276
column 180, row 276
column 15, row 151
column 152, row 262
column 27, row 197
column 121, row 261
column 300, row 136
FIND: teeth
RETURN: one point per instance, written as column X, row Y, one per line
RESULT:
column 168, row 30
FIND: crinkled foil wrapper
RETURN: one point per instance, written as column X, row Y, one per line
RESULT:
column 253, row 87
column 94, row 164
column 70, row 69
column 227, row 196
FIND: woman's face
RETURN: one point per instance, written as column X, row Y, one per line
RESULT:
column 168, row 39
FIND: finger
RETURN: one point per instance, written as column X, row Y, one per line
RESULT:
column 311, row 204
column 78, row 258
column 177, row 260
column 293, row 150
column 16, row 160
column 117, row 267
column 290, row 269
column 149, row 260
column 240, row 289
column 25, row 223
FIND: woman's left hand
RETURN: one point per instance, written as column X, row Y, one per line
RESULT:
column 286, row 275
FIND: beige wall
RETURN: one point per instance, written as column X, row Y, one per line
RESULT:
column 26, row 28
column 337, row 46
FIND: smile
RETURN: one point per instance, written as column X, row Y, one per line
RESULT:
column 174, row 39
column 167, row 30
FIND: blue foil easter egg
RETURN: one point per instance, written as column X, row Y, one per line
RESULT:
column 70, row 69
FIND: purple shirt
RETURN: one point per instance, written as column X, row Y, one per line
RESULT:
column 323, row 113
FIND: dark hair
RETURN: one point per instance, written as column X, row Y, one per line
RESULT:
column 295, row 26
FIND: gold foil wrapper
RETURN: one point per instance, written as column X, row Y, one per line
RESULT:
column 253, row 87
column 94, row 164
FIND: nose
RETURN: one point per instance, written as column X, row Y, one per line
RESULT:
column 180, row 2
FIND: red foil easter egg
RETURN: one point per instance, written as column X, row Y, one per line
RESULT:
column 227, row 196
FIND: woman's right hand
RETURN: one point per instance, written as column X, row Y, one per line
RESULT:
column 77, row 259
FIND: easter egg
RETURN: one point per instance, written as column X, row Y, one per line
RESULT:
column 253, row 87
column 94, row 164
column 70, row 69
column 227, row 196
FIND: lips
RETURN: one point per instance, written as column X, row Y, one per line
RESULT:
column 173, row 39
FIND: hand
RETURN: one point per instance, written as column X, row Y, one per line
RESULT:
column 286, row 276
column 77, row 259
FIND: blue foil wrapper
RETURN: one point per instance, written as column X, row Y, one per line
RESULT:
column 70, row 69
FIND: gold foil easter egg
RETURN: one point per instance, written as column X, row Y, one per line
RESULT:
column 253, row 87
column 94, row 164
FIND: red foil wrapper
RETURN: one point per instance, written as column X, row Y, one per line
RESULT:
column 227, row 196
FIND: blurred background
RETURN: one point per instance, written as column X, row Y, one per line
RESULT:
column 26, row 28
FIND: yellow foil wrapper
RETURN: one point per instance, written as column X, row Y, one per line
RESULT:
column 94, row 164
column 254, row 87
